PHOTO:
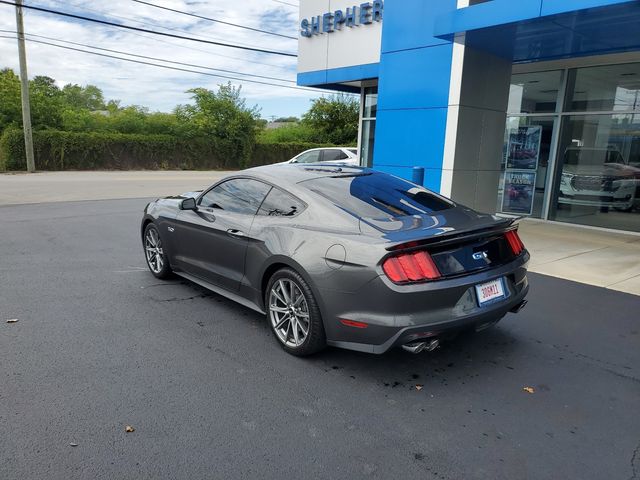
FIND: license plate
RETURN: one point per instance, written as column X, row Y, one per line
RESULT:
column 490, row 291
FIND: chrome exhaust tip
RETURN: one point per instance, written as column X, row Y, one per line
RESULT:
column 519, row 307
column 414, row 347
column 417, row 347
column 431, row 345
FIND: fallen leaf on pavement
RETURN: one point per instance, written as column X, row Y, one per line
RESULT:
column 12, row 320
column 528, row 389
column 129, row 429
column 419, row 387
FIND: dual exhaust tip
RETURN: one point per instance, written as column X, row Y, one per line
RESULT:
column 417, row 347
column 431, row 345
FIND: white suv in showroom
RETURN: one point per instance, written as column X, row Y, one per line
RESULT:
column 598, row 177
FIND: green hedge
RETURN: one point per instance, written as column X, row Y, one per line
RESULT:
column 58, row 150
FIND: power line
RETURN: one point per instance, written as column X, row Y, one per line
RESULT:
column 169, row 67
column 85, row 9
column 156, row 58
column 138, row 29
column 175, row 45
column 286, row 3
column 215, row 20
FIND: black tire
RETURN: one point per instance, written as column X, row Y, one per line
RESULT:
column 315, row 339
column 165, row 269
column 632, row 204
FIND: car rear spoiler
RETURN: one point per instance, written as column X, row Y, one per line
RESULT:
column 457, row 236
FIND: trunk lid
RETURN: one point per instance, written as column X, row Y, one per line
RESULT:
column 460, row 241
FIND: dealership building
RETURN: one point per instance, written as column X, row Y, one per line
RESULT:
column 520, row 107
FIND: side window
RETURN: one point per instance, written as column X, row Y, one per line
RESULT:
column 239, row 195
column 329, row 155
column 280, row 204
column 309, row 157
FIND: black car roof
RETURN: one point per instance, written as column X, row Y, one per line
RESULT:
column 295, row 173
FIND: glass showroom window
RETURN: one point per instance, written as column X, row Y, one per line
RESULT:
column 597, row 179
column 368, row 125
column 528, row 142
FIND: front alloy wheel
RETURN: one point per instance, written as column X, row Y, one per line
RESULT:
column 293, row 314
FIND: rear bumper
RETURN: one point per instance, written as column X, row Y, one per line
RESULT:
column 396, row 315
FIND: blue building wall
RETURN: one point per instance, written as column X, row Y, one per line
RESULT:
column 413, row 91
column 416, row 61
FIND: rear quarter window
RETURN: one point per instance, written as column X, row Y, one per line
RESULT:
column 378, row 195
column 280, row 204
column 330, row 155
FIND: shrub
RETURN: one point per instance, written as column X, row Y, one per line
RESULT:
column 290, row 133
column 58, row 150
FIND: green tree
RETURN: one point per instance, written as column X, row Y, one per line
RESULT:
column 89, row 97
column 10, row 109
column 224, row 118
column 46, row 103
column 334, row 119
column 113, row 105
column 45, row 96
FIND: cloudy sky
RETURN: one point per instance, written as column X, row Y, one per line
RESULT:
column 159, row 88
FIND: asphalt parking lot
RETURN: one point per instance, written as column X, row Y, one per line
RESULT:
column 101, row 344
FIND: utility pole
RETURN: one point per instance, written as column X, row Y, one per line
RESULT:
column 24, row 82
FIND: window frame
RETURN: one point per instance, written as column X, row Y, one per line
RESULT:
column 304, row 204
column 308, row 152
column 339, row 150
column 560, row 115
column 225, row 180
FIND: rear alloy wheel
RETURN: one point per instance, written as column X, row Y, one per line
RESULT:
column 154, row 252
column 293, row 314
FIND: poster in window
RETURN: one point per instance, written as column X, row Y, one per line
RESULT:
column 524, row 148
column 519, row 188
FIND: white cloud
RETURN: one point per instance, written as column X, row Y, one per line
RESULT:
column 157, row 88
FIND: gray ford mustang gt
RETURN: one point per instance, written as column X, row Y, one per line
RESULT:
column 342, row 256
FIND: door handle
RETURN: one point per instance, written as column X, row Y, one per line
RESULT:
column 235, row 233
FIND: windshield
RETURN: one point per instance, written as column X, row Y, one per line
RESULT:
column 378, row 195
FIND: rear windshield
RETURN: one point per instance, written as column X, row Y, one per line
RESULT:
column 378, row 195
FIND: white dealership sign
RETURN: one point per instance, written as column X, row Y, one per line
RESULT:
column 338, row 33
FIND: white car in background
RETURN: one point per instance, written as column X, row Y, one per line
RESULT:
column 341, row 155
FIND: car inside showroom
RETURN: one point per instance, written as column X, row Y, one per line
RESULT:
column 518, row 108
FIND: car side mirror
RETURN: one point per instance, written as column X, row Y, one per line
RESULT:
column 188, row 204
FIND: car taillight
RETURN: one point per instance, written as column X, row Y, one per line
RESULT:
column 514, row 242
column 410, row 267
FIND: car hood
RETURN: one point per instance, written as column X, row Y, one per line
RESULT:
column 175, row 200
column 444, row 223
column 611, row 169
column 182, row 196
